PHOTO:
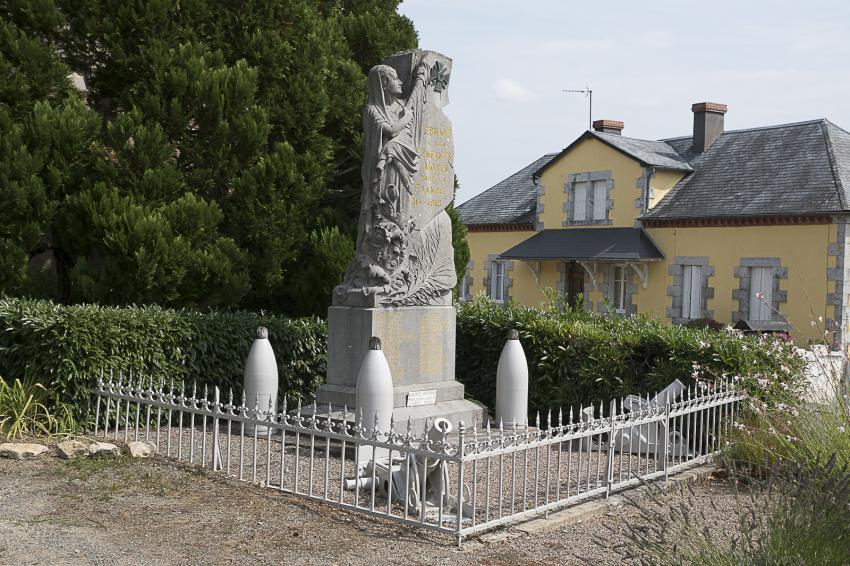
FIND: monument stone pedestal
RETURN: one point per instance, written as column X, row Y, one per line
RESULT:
column 419, row 344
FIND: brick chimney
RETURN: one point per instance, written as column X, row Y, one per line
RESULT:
column 608, row 126
column 708, row 124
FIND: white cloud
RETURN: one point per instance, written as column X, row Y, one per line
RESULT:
column 512, row 91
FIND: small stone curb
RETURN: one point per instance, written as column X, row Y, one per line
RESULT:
column 72, row 448
column 69, row 449
column 103, row 450
column 22, row 450
column 139, row 449
column 597, row 507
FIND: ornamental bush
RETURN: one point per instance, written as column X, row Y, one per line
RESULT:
column 65, row 348
column 578, row 357
column 574, row 357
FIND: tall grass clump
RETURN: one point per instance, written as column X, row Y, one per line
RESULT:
column 29, row 409
column 795, row 429
column 799, row 516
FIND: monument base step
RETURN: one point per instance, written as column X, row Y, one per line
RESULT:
column 346, row 395
column 455, row 411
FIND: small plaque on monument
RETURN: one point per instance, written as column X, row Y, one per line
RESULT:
column 421, row 398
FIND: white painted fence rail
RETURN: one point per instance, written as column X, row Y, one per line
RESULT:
column 457, row 483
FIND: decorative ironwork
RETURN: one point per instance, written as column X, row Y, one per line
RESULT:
column 458, row 483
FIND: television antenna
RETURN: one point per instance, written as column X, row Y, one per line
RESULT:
column 589, row 94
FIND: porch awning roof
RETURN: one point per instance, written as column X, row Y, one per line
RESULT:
column 587, row 244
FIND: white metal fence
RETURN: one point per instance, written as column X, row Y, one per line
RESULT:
column 459, row 483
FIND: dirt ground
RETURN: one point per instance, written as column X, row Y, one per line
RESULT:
column 124, row 511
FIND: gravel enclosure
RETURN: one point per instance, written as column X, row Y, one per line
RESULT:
column 517, row 481
column 124, row 511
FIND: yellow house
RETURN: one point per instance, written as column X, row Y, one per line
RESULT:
column 746, row 225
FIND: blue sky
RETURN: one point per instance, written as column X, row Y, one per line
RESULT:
column 770, row 62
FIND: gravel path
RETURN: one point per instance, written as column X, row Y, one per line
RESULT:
column 158, row 512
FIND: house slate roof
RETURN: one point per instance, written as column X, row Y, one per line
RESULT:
column 590, row 244
column 789, row 169
column 511, row 201
column 792, row 169
column 647, row 152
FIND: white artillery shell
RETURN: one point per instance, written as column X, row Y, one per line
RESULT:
column 261, row 379
column 512, row 384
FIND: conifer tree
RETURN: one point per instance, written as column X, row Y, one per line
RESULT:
column 216, row 149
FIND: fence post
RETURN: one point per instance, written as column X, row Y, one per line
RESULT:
column 609, row 455
column 461, row 431
column 216, row 447
column 666, row 454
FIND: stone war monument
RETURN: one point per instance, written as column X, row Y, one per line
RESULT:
column 399, row 284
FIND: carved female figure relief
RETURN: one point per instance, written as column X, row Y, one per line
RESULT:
column 387, row 231
column 391, row 152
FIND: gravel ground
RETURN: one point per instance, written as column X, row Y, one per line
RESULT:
column 158, row 512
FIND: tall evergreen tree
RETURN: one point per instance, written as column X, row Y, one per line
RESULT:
column 44, row 136
column 217, row 151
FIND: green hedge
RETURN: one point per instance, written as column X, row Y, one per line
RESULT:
column 66, row 347
column 574, row 357
column 577, row 357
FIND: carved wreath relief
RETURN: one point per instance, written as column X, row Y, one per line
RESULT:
column 404, row 253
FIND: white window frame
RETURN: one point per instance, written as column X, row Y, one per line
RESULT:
column 761, row 281
column 600, row 200
column 619, row 287
column 691, row 292
column 498, row 280
column 580, row 194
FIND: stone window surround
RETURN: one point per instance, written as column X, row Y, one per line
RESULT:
column 742, row 293
column 605, row 280
column 509, row 282
column 568, row 200
column 540, row 207
column 840, row 250
column 674, row 291
column 561, row 284
column 644, row 185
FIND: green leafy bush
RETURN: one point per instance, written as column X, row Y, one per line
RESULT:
column 578, row 357
column 708, row 323
column 574, row 357
column 66, row 347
